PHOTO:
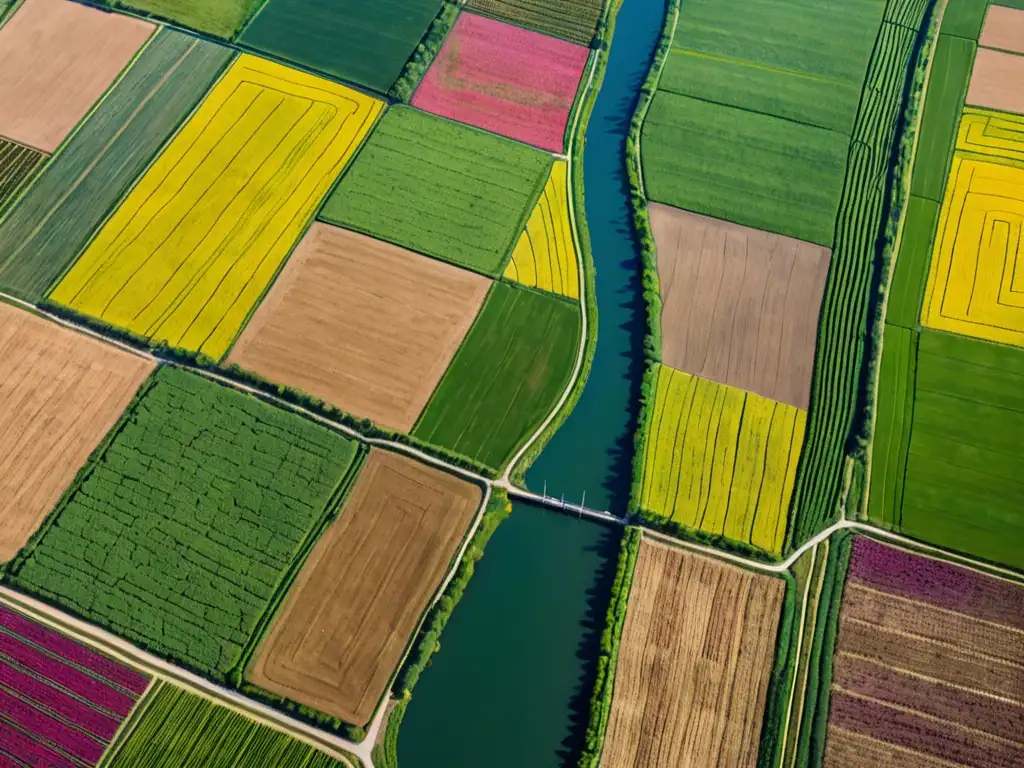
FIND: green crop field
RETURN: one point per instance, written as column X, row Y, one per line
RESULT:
column 802, row 60
column 177, row 729
column 915, row 255
column 753, row 169
column 220, row 18
column 572, row 20
column 506, row 376
column 361, row 42
column 964, row 18
column 187, row 523
column 906, row 13
column 56, row 217
column 16, row 165
column 440, row 188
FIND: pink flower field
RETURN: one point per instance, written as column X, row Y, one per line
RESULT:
column 505, row 79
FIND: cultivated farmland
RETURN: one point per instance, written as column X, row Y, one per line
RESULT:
column 545, row 256
column 440, row 188
column 187, row 523
column 572, row 20
column 60, row 702
column 995, row 81
column 739, row 306
column 58, row 57
column 77, row 189
column 16, row 164
column 358, row 599
column 60, row 392
column 1004, row 29
column 178, row 729
column 504, row 79
column 220, row 18
column 363, row 43
column 928, row 668
column 694, row 663
column 506, row 376
column 720, row 459
column 364, row 325
column 188, row 254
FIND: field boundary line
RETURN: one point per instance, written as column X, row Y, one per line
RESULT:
column 799, row 644
column 647, row 107
column 904, row 599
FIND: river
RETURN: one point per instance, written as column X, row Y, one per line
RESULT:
column 593, row 450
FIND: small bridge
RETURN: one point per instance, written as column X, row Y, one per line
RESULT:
column 561, row 505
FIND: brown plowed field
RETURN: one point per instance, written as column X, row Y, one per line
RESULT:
column 60, row 393
column 740, row 305
column 364, row 325
column 996, row 81
column 57, row 58
column 846, row 748
column 694, row 663
column 358, row 598
column 1004, row 28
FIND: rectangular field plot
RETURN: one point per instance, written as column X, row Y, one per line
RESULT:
column 756, row 170
column 740, row 306
column 929, row 667
column 505, row 79
column 188, row 254
column 187, row 523
column 58, row 57
column 363, row 43
column 61, row 703
column 506, row 377
column 60, row 392
column 364, row 325
column 1004, row 29
column 721, row 459
column 440, row 188
column 545, row 256
column 572, row 20
column 357, row 601
column 995, row 81
column 797, row 59
column 694, row 663
column 74, row 193
column 220, row 18
column 178, row 729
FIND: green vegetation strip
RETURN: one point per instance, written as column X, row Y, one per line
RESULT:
column 219, row 18
column 420, row 60
column 509, row 372
column 55, row 218
column 179, row 729
column 604, row 680
column 911, row 273
column 780, row 685
column 440, row 188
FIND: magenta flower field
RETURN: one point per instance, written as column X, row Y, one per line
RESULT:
column 506, row 79
column 60, row 702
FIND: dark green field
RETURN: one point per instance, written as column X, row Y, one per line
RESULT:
column 572, row 20
column 506, row 376
column 220, row 18
column 915, row 255
column 56, row 217
column 440, row 188
column 361, row 42
column 753, row 169
column 186, row 525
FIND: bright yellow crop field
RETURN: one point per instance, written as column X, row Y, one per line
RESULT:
column 975, row 287
column 191, row 250
column 721, row 459
column 545, row 256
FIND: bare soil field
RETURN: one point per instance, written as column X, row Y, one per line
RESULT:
column 58, row 58
column 694, row 663
column 364, row 325
column 60, row 393
column 740, row 305
column 357, row 600
column 1004, row 28
column 995, row 82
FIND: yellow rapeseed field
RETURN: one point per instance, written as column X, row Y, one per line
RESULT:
column 976, row 278
column 721, row 459
column 188, row 254
column 545, row 256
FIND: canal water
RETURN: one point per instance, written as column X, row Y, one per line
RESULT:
column 593, row 450
column 511, row 683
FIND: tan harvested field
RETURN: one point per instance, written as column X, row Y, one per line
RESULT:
column 845, row 749
column 1004, row 28
column 357, row 600
column 694, row 663
column 740, row 305
column 57, row 59
column 996, row 81
column 60, row 393
column 364, row 325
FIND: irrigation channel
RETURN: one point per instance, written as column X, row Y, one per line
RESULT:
column 592, row 451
